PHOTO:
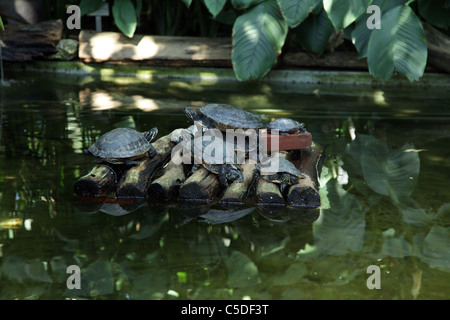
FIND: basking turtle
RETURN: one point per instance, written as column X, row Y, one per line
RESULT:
column 224, row 116
column 226, row 168
column 286, row 126
column 286, row 175
column 123, row 146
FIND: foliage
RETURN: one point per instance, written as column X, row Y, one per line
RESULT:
column 261, row 28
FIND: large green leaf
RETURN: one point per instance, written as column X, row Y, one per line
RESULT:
column 187, row 2
column 436, row 12
column 244, row 4
column 390, row 172
column 295, row 11
column 258, row 37
column 361, row 33
column 124, row 15
column 314, row 32
column 215, row 6
column 343, row 12
column 88, row 6
column 399, row 45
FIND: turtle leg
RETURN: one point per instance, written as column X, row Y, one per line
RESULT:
column 152, row 152
column 129, row 162
column 194, row 168
column 223, row 176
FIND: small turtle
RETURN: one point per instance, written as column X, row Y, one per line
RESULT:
column 286, row 175
column 123, row 146
column 286, row 126
column 226, row 168
column 224, row 116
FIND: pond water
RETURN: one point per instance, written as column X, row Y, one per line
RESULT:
column 384, row 190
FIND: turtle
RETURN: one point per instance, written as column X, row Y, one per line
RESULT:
column 123, row 146
column 224, row 116
column 286, row 126
column 286, row 175
column 226, row 168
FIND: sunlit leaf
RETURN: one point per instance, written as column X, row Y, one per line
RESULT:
column 258, row 37
column 295, row 11
column 343, row 12
column 215, row 6
column 125, row 16
column 399, row 45
column 361, row 33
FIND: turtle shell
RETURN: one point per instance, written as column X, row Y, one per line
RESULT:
column 120, row 143
column 285, row 166
column 285, row 125
column 225, row 116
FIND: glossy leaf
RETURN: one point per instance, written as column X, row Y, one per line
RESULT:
column 125, row 16
column 344, row 12
column 314, row 32
column 88, row 6
column 399, row 45
column 244, row 4
column 258, row 37
column 215, row 6
column 295, row 11
column 361, row 34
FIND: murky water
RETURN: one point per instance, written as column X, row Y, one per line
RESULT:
column 384, row 188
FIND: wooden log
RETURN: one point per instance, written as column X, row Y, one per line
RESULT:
column 305, row 194
column 268, row 194
column 135, row 181
column 114, row 46
column 438, row 48
column 29, row 42
column 168, row 185
column 201, row 186
column 100, row 180
column 236, row 193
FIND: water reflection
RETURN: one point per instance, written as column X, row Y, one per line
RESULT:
column 392, row 209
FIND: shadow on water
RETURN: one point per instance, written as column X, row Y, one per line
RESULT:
column 383, row 188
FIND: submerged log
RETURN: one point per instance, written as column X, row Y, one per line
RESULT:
column 305, row 194
column 100, row 180
column 236, row 193
column 168, row 185
column 201, row 186
column 135, row 181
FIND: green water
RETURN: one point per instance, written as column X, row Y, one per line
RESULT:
column 384, row 188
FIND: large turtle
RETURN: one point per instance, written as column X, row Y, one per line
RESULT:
column 286, row 126
column 226, row 168
column 286, row 175
column 123, row 146
column 224, row 116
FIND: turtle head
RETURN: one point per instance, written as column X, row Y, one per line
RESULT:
column 234, row 174
column 302, row 127
column 151, row 134
column 289, row 179
column 191, row 114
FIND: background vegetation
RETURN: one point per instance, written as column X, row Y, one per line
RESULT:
column 262, row 29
